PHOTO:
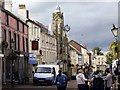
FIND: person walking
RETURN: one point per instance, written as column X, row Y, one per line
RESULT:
column 80, row 78
column 108, row 79
column 97, row 81
column 61, row 81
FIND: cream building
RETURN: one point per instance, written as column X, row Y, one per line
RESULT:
column 75, row 57
column 85, row 55
column 78, row 56
column 99, row 61
column 34, row 34
column 48, row 47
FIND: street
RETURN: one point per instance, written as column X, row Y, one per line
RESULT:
column 71, row 86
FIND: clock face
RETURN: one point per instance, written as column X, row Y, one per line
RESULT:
column 67, row 27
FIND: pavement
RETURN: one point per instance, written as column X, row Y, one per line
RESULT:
column 71, row 85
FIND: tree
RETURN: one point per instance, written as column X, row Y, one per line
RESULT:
column 109, row 58
column 97, row 50
column 115, row 49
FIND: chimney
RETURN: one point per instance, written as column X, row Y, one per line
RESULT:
column 22, row 11
column 2, row 3
column 8, row 5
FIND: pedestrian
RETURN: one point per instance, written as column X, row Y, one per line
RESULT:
column 80, row 78
column 61, row 81
column 97, row 81
column 108, row 79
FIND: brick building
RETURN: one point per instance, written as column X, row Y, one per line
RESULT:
column 14, row 37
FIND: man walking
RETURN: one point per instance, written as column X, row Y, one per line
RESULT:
column 108, row 79
column 61, row 81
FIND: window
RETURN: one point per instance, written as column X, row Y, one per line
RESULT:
column 7, row 19
column 17, row 24
column 9, row 37
column 102, row 62
column 98, row 58
column 18, row 42
column 43, row 70
column 15, row 47
column 23, row 44
column 4, row 34
column 35, row 31
column 26, row 45
column 23, row 28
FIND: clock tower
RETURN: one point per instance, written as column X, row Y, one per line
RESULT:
column 60, row 34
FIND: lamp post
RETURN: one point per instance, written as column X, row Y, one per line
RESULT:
column 115, row 33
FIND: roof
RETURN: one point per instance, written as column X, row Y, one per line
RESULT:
column 76, row 45
column 43, row 27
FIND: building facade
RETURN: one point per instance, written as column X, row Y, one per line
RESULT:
column 1, row 55
column 79, row 56
column 75, row 57
column 85, row 57
column 48, row 45
column 14, row 37
column 34, row 36
column 99, row 61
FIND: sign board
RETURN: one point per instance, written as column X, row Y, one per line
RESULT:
column 32, row 58
column 34, row 45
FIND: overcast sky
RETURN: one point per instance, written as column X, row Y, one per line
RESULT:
column 90, row 21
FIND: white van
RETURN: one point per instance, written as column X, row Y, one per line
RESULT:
column 45, row 73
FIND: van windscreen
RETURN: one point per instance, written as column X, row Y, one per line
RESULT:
column 43, row 70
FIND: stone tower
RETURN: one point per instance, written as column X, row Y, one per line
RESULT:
column 60, row 35
column 57, row 24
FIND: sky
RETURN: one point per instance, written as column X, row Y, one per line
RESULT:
column 90, row 20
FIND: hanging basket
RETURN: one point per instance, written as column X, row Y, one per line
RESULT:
column 4, row 44
column 12, row 56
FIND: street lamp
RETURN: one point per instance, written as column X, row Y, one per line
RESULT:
column 117, row 72
column 114, row 30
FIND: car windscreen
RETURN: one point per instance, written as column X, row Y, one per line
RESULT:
column 43, row 70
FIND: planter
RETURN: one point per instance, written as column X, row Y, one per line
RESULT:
column 12, row 56
column 4, row 44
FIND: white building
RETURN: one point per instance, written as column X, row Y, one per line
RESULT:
column 34, row 34
column 78, row 56
column 99, row 61
column 48, row 47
